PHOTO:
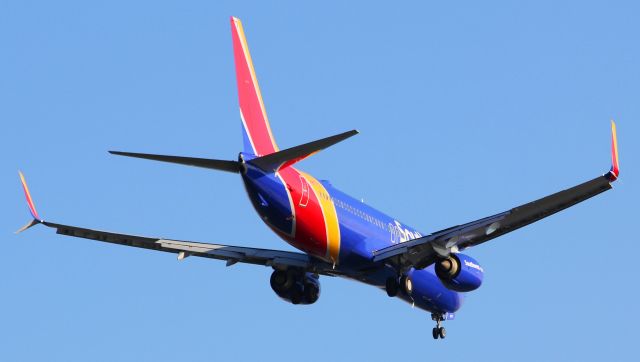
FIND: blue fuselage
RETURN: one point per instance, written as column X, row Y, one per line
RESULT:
column 282, row 199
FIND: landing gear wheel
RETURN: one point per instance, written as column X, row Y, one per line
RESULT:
column 311, row 293
column 403, row 285
column 392, row 286
column 442, row 332
column 438, row 331
column 296, row 297
column 281, row 280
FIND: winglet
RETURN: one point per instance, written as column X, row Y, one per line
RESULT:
column 32, row 208
column 613, row 174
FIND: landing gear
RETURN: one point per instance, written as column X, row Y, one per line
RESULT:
column 296, row 286
column 438, row 331
column 296, row 296
column 435, row 333
column 392, row 286
column 281, row 280
column 311, row 293
column 398, row 284
column 406, row 286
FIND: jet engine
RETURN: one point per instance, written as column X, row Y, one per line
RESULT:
column 459, row 272
column 295, row 286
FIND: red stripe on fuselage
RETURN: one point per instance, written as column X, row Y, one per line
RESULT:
column 310, row 230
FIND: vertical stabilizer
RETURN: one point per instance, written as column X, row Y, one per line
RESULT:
column 257, row 135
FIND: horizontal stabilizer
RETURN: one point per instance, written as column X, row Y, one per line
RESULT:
column 269, row 163
column 285, row 158
column 222, row 165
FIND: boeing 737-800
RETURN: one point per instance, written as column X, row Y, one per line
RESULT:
column 338, row 235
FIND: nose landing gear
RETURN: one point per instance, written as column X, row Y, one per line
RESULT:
column 438, row 330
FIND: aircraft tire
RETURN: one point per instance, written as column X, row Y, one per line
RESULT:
column 311, row 293
column 296, row 297
column 392, row 287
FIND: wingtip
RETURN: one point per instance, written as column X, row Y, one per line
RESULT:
column 31, row 223
column 32, row 209
column 614, row 172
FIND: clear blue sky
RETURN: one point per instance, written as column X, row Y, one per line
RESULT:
column 464, row 109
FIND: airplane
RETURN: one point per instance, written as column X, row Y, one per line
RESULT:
column 339, row 236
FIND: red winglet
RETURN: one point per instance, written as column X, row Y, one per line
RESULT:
column 32, row 209
column 615, row 167
column 614, row 172
column 27, row 195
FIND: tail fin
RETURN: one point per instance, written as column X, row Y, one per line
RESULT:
column 257, row 135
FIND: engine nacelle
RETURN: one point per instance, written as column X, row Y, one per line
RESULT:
column 297, row 287
column 459, row 272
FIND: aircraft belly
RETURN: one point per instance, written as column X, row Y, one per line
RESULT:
column 433, row 297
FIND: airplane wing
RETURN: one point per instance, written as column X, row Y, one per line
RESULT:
column 232, row 254
column 422, row 252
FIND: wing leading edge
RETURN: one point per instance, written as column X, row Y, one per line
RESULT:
column 422, row 252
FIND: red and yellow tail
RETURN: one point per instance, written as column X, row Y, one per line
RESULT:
column 257, row 135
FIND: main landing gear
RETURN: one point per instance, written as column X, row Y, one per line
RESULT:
column 438, row 330
column 394, row 285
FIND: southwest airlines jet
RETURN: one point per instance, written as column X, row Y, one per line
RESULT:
column 338, row 235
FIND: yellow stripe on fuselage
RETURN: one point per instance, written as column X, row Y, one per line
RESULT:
column 330, row 215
